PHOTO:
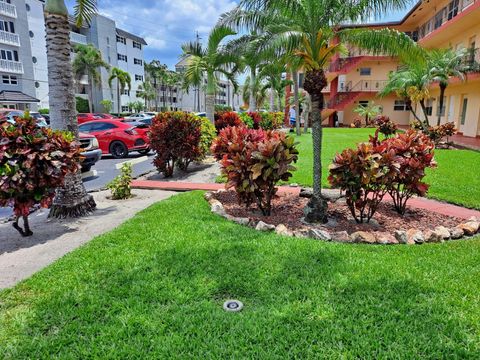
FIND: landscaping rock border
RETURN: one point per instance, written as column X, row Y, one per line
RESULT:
column 440, row 234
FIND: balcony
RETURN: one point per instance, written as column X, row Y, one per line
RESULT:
column 77, row 38
column 8, row 10
column 9, row 66
column 9, row 38
column 472, row 60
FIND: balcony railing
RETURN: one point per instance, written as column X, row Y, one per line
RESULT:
column 9, row 38
column 78, row 38
column 453, row 9
column 369, row 85
column 15, row 67
column 8, row 9
column 472, row 60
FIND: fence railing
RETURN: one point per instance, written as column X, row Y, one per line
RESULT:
column 11, row 66
column 8, row 9
column 9, row 38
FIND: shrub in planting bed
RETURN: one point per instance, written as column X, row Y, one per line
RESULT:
column 386, row 126
column 254, row 161
column 33, row 163
column 227, row 119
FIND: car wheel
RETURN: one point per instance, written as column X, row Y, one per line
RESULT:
column 144, row 151
column 86, row 168
column 118, row 150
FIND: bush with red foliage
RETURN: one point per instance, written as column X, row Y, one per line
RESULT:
column 364, row 174
column 227, row 119
column 256, row 118
column 254, row 161
column 437, row 133
column 386, row 126
column 33, row 163
column 175, row 137
column 414, row 153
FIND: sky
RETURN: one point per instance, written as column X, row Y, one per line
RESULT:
column 167, row 24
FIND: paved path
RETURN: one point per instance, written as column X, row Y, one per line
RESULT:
column 419, row 203
column 22, row 257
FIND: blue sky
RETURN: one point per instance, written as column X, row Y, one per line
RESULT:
column 167, row 24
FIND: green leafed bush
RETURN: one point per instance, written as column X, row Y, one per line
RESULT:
column 254, row 161
column 120, row 186
column 81, row 104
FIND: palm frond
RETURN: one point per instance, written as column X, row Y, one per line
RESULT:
column 84, row 10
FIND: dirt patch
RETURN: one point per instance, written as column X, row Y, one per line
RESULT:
column 288, row 210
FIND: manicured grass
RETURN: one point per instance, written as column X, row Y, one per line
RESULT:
column 456, row 179
column 154, row 288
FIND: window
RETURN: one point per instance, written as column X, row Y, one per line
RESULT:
column 126, row 92
column 138, row 77
column 463, row 115
column 9, row 55
column 125, row 109
column 400, row 105
column 363, row 103
column 122, row 57
column 31, row 34
column 441, row 112
column 452, row 9
column 27, row 7
column 108, row 40
column 9, row 80
column 137, row 45
column 121, row 39
column 429, row 107
column 34, row 59
column 139, row 94
column 37, row 84
column 138, row 62
column 101, row 126
column 365, row 71
column 7, row 26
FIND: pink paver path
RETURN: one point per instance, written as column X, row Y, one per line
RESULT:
column 419, row 203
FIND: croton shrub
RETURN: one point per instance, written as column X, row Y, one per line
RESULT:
column 385, row 126
column 226, row 119
column 395, row 166
column 176, row 139
column 33, row 163
column 438, row 133
column 254, row 161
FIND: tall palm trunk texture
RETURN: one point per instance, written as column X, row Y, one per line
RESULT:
column 296, row 101
column 252, row 103
column 443, row 87
column 316, row 209
column 210, row 98
column 71, row 200
column 272, row 100
column 90, row 94
column 118, row 98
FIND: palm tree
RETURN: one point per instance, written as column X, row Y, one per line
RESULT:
column 368, row 111
column 257, row 91
column 444, row 64
column 210, row 63
column 71, row 200
column 123, row 81
column 155, row 71
column 311, row 30
column 147, row 92
column 87, row 61
column 272, row 72
column 411, row 82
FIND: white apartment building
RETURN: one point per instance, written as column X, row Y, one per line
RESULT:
column 23, row 58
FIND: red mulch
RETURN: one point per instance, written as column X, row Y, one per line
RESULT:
column 288, row 210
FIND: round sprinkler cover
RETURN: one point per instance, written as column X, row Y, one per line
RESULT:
column 232, row 305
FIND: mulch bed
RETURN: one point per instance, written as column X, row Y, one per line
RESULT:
column 288, row 210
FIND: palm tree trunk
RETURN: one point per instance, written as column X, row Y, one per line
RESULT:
column 90, row 94
column 424, row 109
column 316, row 209
column 272, row 100
column 306, row 121
column 443, row 87
column 118, row 97
column 71, row 199
column 252, row 103
column 210, row 98
column 296, row 102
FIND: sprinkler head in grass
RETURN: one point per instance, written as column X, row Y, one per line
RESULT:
column 232, row 305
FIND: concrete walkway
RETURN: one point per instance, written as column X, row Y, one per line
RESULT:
column 418, row 203
column 22, row 257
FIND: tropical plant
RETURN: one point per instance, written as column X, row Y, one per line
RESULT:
column 136, row 106
column 123, row 80
column 385, row 126
column 411, row 82
column 175, row 137
column 368, row 111
column 88, row 61
column 81, row 104
column 208, row 134
column 33, row 164
column 156, row 72
column 120, row 186
column 311, row 31
column 227, row 119
column 107, row 105
column 254, row 161
column 254, row 93
column 272, row 72
column 71, row 199
column 210, row 63
column 444, row 64
column 147, row 92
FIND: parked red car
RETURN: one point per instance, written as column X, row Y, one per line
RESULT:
column 84, row 117
column 118, row 138
column 106, row 116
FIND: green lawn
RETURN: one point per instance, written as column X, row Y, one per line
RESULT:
column 456, row 179
column 154, row 288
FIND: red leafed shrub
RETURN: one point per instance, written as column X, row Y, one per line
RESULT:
column 386, row 126
column 437, row 133
column 33, row 163
column 254, row 161
column 175, row 137
column 364, row 174
column 414, row 152
column 256, row 118
column 227, row 119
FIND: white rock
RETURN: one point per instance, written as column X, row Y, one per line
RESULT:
column 283, row 230
column 443, row 232
column 262, row 226
column 320, row 234
column 401, row 236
